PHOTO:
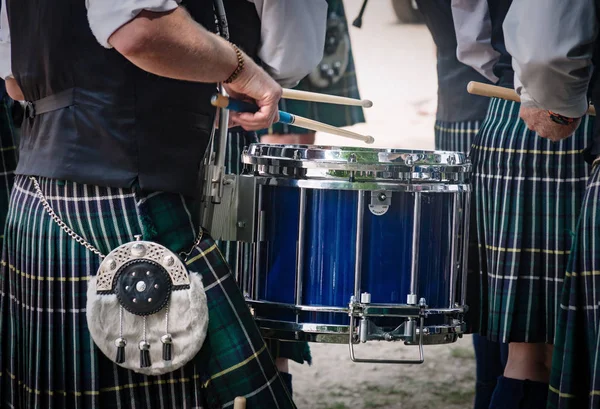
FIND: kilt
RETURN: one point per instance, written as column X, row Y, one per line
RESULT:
column 575, row 379
column 336, row 115
column 527, row 193
column 455, row 136
column 237, row 141
column 8, row 157
column 47, row 358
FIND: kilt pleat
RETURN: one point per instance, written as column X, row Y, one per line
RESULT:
column 527, row 193
column 575, row 378
column 455, row 136
column 47, row 357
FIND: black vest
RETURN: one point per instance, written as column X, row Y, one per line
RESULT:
column 455, row 104
column 503, row 68
column 121, row 125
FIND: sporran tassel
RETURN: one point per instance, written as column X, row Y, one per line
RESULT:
column 144, row 350
column 167, row 342
column 144, row 355
column 167, row 339
column 120, row 342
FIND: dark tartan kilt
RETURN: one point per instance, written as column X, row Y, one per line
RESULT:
column 527, row 193
column 8, row 158
column 237, row 141
column 455, row 136
column 336, row 115
column 47, row 358
column 575, row 379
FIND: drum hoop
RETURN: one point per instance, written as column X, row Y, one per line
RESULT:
column 341, row 184
column 353, row 159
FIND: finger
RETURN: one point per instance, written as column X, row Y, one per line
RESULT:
column 259, row 120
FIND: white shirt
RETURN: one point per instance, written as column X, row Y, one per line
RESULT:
column 552, row 53
column 293, row 31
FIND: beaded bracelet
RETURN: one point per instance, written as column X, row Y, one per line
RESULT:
column 240, row 66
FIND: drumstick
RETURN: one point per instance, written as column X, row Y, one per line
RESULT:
column 222, row 101
column 239, row 403
column 487, row 90
column 325, row 98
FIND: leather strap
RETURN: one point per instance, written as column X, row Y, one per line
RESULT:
column 54, row 102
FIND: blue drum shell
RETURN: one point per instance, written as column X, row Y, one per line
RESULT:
column 330, row 250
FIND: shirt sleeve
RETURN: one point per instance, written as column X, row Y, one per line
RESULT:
column 107, row 16
column 292, row 37
column 5, row 58
column 552, row 53
column 474, row 36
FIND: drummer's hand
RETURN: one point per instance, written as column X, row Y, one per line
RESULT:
column 256, row 85
column 539, row 121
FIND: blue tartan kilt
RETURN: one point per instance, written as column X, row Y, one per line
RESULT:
column 527, row 193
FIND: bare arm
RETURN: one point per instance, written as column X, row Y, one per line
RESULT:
column 173, row 45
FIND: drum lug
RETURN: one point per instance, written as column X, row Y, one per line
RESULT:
column 380, row 202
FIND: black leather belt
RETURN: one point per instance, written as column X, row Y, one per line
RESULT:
column 54, row 102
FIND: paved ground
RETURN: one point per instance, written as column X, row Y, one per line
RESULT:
column 396, row 69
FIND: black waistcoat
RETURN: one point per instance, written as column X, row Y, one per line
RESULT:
column 122, row 125
column 455, row 104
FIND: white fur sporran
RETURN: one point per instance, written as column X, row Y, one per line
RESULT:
column 145, row 311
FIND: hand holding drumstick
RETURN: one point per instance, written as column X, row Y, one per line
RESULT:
column 537, row 120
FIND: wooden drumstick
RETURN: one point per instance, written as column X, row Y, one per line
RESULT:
column 493, row 91
column 222, row 101
column 325, row 98
column 239, row 403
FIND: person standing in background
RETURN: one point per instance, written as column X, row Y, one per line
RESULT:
column 554, row 55
column 458, row 119
column 527, row 194
column 334, row 75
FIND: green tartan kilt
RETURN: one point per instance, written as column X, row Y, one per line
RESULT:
column 47, row 358
column 575, row 379
column 455, row 136
column 527, row 193
column 237, row 141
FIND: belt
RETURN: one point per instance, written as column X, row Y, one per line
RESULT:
column 50, row 103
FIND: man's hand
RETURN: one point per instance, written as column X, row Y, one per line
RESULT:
column 539, row 121
column 254, row 84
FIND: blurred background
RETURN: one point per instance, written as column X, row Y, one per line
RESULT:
column 396, row 69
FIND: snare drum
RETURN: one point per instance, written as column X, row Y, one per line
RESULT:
column 356, row 244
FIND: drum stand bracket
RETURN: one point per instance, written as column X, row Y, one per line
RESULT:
column 368, row 331
column 233, row 219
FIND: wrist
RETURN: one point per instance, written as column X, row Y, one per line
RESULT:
column 561, row 119
column 240, row 67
